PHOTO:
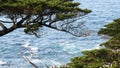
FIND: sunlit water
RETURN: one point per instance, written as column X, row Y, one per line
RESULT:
column 55, row 47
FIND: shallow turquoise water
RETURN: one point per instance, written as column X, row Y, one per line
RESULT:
column 54, row 47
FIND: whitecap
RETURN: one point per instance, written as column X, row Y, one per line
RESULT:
column 97, row 47
column 55, row 62
column 31, row 48
column 34, row 49
column 3, row 62
column 26, row 44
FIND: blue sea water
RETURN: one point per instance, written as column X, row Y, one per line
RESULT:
column 55, row 47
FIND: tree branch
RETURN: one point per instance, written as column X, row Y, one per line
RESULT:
column 21, row 21
column 3, row 26
column 5, row 21
column 60, row 30
column 8, row 30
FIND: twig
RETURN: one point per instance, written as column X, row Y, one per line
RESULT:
column 25, row 58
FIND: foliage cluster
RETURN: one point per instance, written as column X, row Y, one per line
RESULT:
column 25, row 13
column 112, row 29
column 108, row 57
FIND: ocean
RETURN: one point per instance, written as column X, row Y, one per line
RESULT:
column 56, row 47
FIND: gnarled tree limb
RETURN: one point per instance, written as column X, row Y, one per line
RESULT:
column 8, row 30
column 3, row 26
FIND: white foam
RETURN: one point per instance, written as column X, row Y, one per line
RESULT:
column 97, row 47
column 3, row 62
column 26, row 45
column 55, row 62
column 69, row 47
column 31, row 48
column 34, row 49
column 35, row 60
column 73, row 52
